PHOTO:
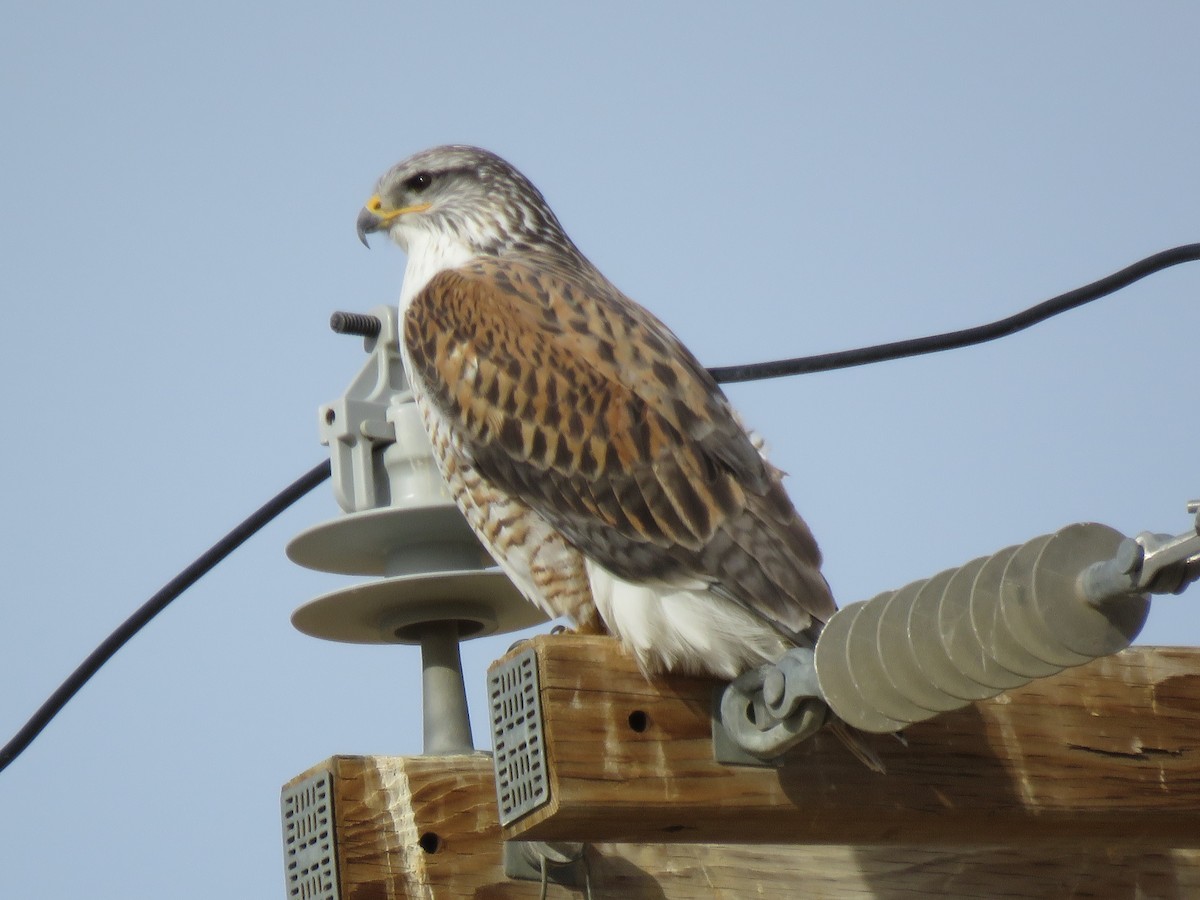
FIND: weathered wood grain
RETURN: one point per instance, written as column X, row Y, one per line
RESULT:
column 425, row 827
column 1084, row 785
column 1107, row 755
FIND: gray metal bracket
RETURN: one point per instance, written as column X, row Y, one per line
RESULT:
column 560, row 862
column 765, row 712
column 309, row 846
column 356, row 425
column 519, row 751
column 1148, row 563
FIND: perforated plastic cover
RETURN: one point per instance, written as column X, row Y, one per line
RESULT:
column 309, row 851
column 519, row 751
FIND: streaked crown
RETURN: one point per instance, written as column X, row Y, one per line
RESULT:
column 465, row 194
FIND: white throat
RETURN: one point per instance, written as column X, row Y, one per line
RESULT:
column 428, row 253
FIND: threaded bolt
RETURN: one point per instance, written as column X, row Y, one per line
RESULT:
column 355, row 323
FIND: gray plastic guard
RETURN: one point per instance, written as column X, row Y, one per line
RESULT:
column 309, row 850
column 519, row 751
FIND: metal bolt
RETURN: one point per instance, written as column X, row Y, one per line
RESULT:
column 1129, row 556
column 355, row 323
column 773, row 687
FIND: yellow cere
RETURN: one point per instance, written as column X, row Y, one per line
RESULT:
column 375, row 205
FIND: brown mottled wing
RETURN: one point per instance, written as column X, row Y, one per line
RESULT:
column 578, row 401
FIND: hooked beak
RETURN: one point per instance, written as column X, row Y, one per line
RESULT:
column 373, row 217
column 368, row 222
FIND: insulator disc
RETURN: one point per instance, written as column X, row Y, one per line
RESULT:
column 1023, row 616
column 988, row 618
column 867, row 668
column 929, row 640
column 964, row 642
column 1007, row 645
column 1076, row 624
column 896, row 650
column 387, row 611
column 385, row 541
column 844, row 696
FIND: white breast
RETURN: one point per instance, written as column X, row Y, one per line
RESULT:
column 428, row 254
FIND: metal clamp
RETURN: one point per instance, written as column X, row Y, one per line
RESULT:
column 767, row 711
column 356, row 425
column 1170, row 564
column 1149, row 563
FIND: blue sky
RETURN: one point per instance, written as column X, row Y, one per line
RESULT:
column 179, row 187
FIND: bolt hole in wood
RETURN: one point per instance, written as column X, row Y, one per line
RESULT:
column 430, row 842
column 639, row 721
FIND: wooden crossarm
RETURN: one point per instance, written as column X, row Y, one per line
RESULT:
column 1090, row 779
column 1107, row 754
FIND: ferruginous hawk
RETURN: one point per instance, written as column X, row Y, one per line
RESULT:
column 594, row 456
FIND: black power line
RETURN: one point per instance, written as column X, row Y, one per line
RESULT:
column 157, row 604
column 951, row 340
column 359, row 324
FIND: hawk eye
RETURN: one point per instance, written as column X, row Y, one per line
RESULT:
column 418, row 182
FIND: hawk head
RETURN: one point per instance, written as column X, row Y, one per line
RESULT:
column 462, row 195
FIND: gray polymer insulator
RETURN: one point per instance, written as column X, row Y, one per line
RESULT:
column 975, row 631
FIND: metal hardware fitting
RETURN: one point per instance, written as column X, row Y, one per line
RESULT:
column 519, row 752
column 563, row 862
column 768, row 710
column 1148, row 563
column 361, row 324
column 309, row 847
column 356, row 426
column 965, row 634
